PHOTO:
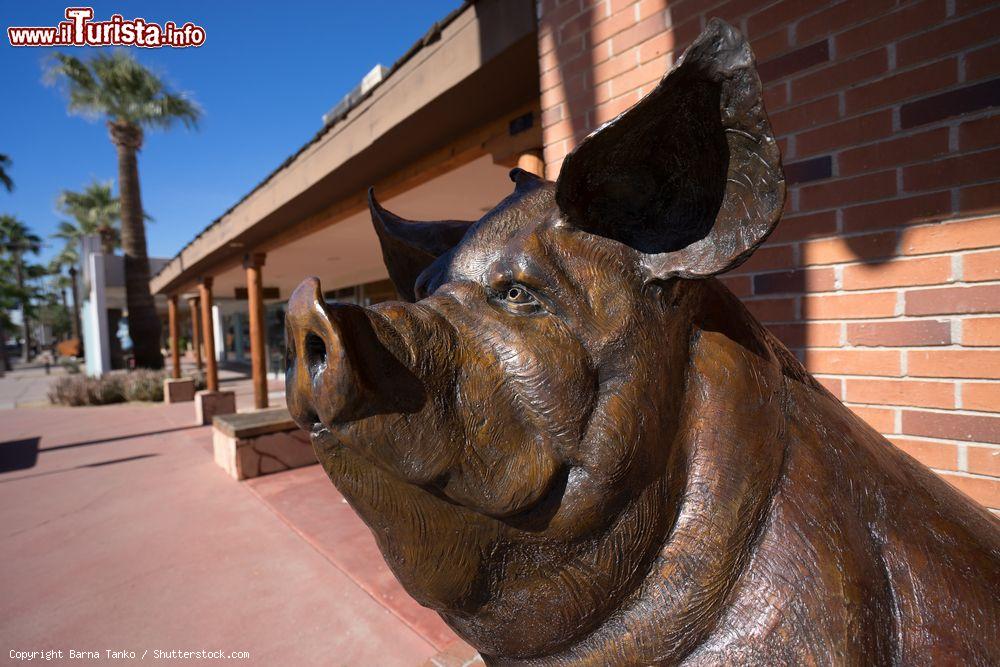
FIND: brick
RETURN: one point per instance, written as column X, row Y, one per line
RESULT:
column 969, row 428
column 882, row 420
column 982, row 63
column 832, row 385
column 650, row 7
column 979, row 199
column 772, row 310
column 578, row 25
column 656, row 47
column 978, row 299
column 899, row 334
column 982, row 396
column 606, row 28
column 896, row 212
column 646, row 74
column 803, row 116
column 951, row 37
column 897, row 273
column 980, row 133
column 853, row 362
column 946, row 237
column 857, row 130
column 766, row 47
column 807, row 334
column 776, row 97
column 966, row 6
column 777, row 14
column 840, row 75
column 867, row 187
column 980, row 266
column 981, row 331
column 795, row 61
column 814, row 169
column 902, row 86
column 952, row 103
column 768, row 258
column 983, row 490
column 890, row 26
column 795, row 281
column 849, row 306
column 640, row 32
column 984, row 460
column 981, row 364
column 849, row 248
column 840, row 15
column 613, row 67
column 959, row 170
column 805, row 226
column 913, row 393
column 895, row 152
column 941, row 455
column 741, row 286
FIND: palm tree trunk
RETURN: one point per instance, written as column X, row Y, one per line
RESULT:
column 143, row 321
column 4, row 361
column 25, row 325
column 76, row 307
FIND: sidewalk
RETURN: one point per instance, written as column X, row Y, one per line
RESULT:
column 119, row 532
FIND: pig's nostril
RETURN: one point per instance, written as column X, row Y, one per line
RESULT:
column 315, row 352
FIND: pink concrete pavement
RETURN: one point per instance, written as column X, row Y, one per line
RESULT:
column 119, row 532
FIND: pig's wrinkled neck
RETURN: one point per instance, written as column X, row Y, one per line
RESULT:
column 729, row 441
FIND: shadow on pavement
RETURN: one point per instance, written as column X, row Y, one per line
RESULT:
column 18, row 454
column 101, row 441
column 81, row 467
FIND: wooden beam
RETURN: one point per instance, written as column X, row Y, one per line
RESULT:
column 208, row 333
column 195, row 331
column 175, row 334
column 480, row 142
column 258, row 343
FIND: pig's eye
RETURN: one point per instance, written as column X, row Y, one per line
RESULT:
column 518, row 299
column 517, row 294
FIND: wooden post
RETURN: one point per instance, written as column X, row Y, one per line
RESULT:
column 208, row 333
column 195, row 331
column 533, row 162
column 258, row 342
column 175, row 334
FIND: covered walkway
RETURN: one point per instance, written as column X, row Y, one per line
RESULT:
column 119, row 532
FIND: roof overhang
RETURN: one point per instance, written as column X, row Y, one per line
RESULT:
column 481, row 65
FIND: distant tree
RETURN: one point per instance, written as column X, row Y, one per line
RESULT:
column 16, row 241
column 115, row 86
column 5, row 179
column 95, row 210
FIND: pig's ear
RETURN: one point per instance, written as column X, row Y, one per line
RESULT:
column 691, row 175
column 409, row 247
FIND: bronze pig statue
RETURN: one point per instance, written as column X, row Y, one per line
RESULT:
column 579, row 447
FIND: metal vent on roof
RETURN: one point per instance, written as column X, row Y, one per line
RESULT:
column 370, row 80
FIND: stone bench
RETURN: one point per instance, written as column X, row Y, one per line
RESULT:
column 251, row 444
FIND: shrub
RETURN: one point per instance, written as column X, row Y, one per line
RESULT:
column 138, row 385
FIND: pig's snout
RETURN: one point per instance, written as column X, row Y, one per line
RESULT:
column 324, row 380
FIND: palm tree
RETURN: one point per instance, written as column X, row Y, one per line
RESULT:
column 96, row 211
column 68, row 258
column 131, row 98
column 5, row 163
column 16, row 240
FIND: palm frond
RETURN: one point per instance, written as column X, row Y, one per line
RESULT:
column 117, row 86
column 5, row 163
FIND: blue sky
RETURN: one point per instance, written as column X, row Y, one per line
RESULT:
column 264, row 77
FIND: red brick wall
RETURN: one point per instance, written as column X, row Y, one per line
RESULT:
column 884, row 276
